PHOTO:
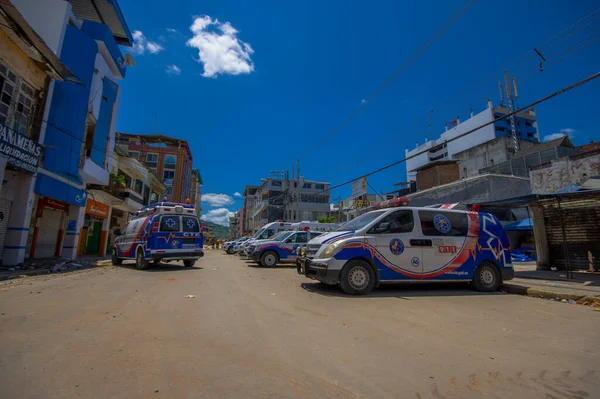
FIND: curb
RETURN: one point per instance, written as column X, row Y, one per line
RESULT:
column 535, row 292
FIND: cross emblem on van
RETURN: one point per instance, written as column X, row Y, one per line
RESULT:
column 191, row 223
column 170, row 222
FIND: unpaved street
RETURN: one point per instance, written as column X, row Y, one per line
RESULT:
column 116, row 332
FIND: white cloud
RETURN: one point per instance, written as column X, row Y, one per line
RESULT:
column 332, row 207
column 219, row 49
column 563, row 132
column 171, row 30
column 219, row 216
column 173, row 70
column 217, row 199
column 141, row 44
column 236, row 194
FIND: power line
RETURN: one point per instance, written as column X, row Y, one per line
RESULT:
column 429, row 43
column 466, row 95
column 531, row 105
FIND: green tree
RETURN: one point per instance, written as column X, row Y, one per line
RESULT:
column 117, row 180
column 330, row 219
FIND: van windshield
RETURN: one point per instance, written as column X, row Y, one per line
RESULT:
column 361, row 221
column 282, row 235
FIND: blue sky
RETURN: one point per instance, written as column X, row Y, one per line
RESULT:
column 253, row 85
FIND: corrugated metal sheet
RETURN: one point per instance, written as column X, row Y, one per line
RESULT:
column 578, row 220
column 100, row 11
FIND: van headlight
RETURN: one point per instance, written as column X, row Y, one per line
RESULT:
column 330, row 249
column 302, row 251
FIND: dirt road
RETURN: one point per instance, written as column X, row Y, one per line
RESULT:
column 116, row 332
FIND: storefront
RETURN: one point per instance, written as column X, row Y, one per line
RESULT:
column 48, row 233
column 93, row 235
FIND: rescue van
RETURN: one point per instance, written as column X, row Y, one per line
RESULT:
column 409, row 244
column 281, row 248
column 164, row 231
column 266, row 232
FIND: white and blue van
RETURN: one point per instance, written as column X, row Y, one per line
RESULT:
column 280, row 248
column 164, row 231
column 409, row 244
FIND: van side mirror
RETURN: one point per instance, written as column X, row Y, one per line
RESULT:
column 117, row 232
column 288, row 240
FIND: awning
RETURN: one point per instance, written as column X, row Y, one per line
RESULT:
column 105, row 12
column 19, row 26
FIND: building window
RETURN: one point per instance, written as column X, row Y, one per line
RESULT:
column 134, row 154
column 319, row 186
column 152, row 160
column 307, row 185
column 16, row 101
column 500, row 129
column 138, row 186
column 170, row 161
column 168, row 174
column 276, row 183
column 169, row 190
column 530, row 135
column 528, row 124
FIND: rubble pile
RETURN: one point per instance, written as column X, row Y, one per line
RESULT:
column 34, row 267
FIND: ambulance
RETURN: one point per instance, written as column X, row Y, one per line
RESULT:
column 281, row 248
column 266, row 232
column 410, row 244
column 164, row 231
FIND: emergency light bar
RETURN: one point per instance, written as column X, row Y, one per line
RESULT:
column 394, row 202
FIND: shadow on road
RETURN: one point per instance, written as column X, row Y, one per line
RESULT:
column 401, row 291
column 162, row 267
column 282, row 267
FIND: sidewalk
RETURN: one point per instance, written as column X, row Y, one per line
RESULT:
column 584, row 287
column 36, row 267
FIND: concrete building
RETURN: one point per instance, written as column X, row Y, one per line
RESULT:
column 436, row 173
column 573, row 170
column 168, row 157
column 76, row 125
column 442, row 149
column 196, row 191
column 249, row 206
column 351, row 207
column 290, row 200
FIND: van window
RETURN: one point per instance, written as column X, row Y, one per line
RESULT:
column 397, row 222
column 190, row 225
column 436, row 223
column 314, row 234
column 169, row 223
column 300, row 238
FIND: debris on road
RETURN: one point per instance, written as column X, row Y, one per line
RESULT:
column 36, row 267
column 190, row 296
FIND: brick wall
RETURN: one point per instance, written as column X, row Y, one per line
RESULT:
column 437, row 175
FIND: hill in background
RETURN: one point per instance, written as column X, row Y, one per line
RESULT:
column 218, row 231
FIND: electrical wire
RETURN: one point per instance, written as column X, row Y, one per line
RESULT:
column 456, row 15
column 522, row 109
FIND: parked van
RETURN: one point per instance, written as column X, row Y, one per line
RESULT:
column 281, row 248
column 315, row 226
column 266, row 232
column 411, row 245
column 163, row 231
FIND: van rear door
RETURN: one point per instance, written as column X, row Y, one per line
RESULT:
column 169, row 231
column 192, row 236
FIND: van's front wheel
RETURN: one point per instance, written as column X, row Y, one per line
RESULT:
column 357, row 278
column 140, row 261
column 189, row 263
column 115, row 259
column 486, row 277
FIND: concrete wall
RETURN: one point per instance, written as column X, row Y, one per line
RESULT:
column 48, row 18
column 490, row 153
column 473, row 190
column 564, row 172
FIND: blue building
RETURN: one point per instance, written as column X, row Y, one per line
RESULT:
column 77, row 129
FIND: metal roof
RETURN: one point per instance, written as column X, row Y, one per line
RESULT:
column 560, row 142
column 105, row 12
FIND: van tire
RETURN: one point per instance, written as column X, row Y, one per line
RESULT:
column 116, row 261
column 189, row 263
column 140, row 262
column 230, row 251
column 357, row 278
column 486, row 277
column 269, row 259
